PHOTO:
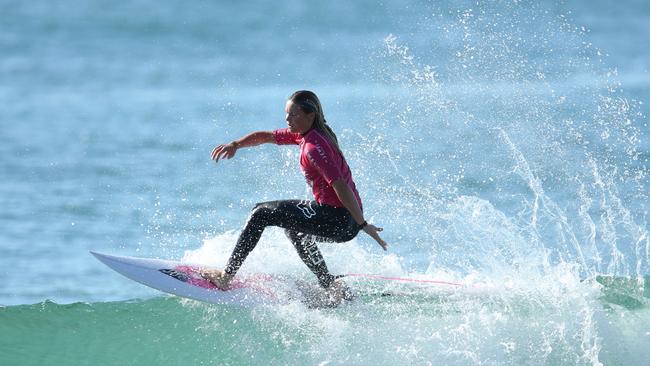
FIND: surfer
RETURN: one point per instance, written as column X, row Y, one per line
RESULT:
column 335, row 214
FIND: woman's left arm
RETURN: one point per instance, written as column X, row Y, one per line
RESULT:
column 347, row 197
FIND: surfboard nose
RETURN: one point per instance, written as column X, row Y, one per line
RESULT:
column 107, row 259
column 100, row 256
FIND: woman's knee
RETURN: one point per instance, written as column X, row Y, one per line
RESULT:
column 260, row 215
column 292, row 235
column 263, row 209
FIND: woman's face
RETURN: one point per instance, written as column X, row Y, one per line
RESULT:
column 298, row 121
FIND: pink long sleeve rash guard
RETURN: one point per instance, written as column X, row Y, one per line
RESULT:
column 321, row 163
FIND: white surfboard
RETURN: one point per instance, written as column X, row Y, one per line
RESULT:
column 184, row 280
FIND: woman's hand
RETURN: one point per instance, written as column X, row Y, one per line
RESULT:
column 373, row 231
column 224, row 151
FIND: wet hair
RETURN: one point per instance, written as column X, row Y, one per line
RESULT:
column 308, row 103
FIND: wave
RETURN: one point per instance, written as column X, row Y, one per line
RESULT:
column 399, row 324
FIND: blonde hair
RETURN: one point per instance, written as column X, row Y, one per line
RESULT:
column 308, row 102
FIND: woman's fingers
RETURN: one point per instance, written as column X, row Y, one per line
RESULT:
column 382, row 243
column 372, row 230
column 216, row 151
column 223, row 151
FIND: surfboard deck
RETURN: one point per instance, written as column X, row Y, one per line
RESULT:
column 184, row 280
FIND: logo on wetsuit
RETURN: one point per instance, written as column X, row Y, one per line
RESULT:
column 305, row 208
column 314, row 253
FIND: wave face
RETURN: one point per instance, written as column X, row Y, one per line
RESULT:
column 502, row 145
column 600, row 322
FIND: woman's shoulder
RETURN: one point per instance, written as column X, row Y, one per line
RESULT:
column 316, row 137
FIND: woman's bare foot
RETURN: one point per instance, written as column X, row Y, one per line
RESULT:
column 218, row 277
column 339, row 291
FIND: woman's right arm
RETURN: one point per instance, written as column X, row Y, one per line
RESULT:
column 252, row 139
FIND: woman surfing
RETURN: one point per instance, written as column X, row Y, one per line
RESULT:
column 335, row 214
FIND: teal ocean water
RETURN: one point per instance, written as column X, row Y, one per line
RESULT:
column 501, row 144
column 425, row 327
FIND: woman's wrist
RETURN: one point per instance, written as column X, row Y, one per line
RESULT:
column 235, row 144
column 362, row 225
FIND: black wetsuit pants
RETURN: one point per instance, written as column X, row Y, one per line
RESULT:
column 305, row 223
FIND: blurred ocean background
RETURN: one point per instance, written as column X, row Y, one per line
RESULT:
column 501, row 144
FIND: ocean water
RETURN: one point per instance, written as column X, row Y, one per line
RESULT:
column 501, row 144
